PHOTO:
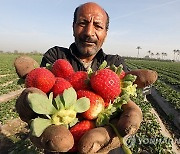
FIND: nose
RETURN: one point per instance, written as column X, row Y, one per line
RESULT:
column 89, row 30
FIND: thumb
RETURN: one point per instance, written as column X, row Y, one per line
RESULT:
column 98, row 140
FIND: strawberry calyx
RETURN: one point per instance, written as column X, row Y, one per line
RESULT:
column 61, row 110
column 63, row 116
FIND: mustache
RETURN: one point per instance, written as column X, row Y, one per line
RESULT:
column 88, row 39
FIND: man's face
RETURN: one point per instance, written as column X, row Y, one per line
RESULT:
column 90, row 29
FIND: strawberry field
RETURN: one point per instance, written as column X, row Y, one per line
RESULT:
column 150, row 137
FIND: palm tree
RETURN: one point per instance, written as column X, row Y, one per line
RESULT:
column 157, row 54
column 162, row 55
column 149, row 52
column 138, row 48
column 175, row 51
column 152, row 54
column 178, row 54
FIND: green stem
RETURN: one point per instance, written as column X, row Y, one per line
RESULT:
column 124, row 146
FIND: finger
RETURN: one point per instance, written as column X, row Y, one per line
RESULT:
column 55, row 138
column 22, row 104
column 130, row 119
column 24, row 65
column 144, row 78
column 98, row 140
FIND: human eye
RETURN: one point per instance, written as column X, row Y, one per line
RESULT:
column 82, row 23
column 98, row 26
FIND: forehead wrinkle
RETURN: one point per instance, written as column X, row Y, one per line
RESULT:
column 89, row 10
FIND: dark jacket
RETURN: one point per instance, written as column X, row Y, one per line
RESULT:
column 71, row 55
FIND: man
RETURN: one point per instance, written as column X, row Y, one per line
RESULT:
column 90, row 27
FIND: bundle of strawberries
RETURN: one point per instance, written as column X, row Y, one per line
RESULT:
column 57, row 97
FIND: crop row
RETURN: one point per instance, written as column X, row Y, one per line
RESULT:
column 149, row 136
column 10, row 87
column 167, row 92
column 7, row 111
column 166, row 68
column 7, row 62
column 7, row 78
column 165, row 78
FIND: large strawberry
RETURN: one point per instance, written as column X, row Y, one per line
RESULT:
column 60, row 85
column 79, row 80
column 79, row 130
column 106, row 83
column 62, row 68
column 40, row 78
column 96, row 104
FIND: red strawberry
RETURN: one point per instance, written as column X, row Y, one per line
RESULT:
column 60, row 85
column 79, row 130
column 40, row 78
column 106, row 83
column 78, row 80
column 122, row 75
column 96, row 104
column 62, row 68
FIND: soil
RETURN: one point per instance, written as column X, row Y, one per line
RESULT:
column 166, row 133
column 9, row 96
column 12, row 127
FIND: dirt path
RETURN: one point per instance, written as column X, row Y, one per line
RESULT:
column 166, row 133
column 15, row 128
column 6, row 84
column 9, row 96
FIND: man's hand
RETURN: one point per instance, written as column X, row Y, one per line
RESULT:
column 144, row 78
column 101, row 140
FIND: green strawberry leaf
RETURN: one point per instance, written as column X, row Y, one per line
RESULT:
column 38, row 126
column 49, row 66
column 130, row 90
column 119, row 70
column 126, row 84
column 82, row 105
column 103, row 65
column 119, row 101
column 105, row 116
column 130, row 77
column 102, row 120
column 59, row 102
column 113, row 68
column 90, row 72
column 70, row 97
column 40, row 104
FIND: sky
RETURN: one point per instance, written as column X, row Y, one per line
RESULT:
column 37, row 25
